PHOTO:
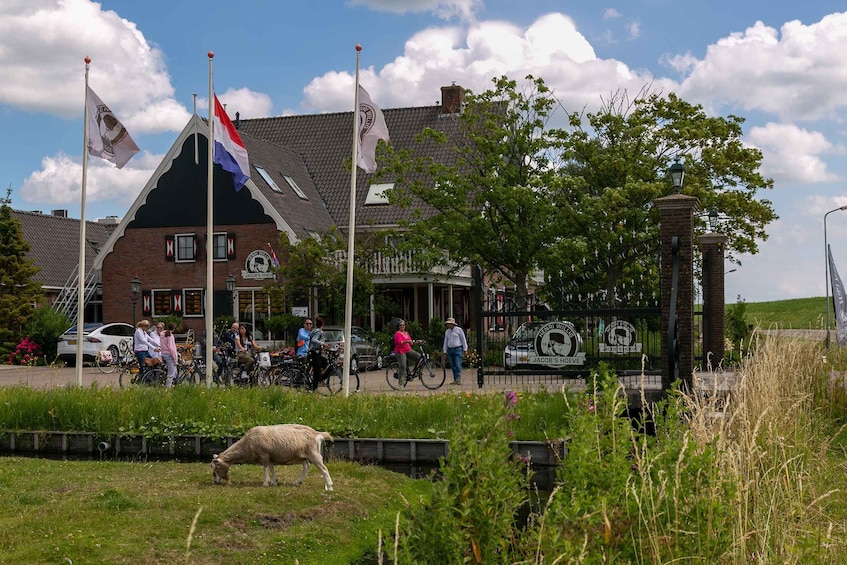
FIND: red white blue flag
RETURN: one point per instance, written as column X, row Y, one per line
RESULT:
column 274, row 260
column 230, row 152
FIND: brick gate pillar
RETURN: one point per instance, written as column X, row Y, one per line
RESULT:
column 712, row 246
column 677, row 221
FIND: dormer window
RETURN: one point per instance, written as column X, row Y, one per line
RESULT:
column 264, row 174
column 378, row 194
column 293, row 184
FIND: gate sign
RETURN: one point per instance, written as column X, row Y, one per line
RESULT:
column 619, row 338
column 556, row 345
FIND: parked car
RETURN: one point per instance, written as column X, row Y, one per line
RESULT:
column 522, row 345
column 96, row 337
column 367, row 350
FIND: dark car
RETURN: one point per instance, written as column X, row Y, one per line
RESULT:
column 367, row 350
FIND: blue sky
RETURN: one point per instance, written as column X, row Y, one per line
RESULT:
column 779, row 64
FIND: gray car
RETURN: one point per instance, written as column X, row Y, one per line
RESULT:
column 367, row 350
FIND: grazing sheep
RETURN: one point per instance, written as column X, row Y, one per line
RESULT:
column 283, row 444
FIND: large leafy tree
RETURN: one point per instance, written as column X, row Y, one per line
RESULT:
column 496, row 202
column 621, row 154
column 321, row 264
column 19, row 294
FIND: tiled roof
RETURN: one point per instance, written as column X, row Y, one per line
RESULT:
column 54, row 244
column 302, row 215
column 325, row 144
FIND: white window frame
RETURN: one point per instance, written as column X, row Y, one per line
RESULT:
column 267, row 176
column 185, row 313
column 177, row 247
column 215, row 237
column 377, row 194
column 295, row 187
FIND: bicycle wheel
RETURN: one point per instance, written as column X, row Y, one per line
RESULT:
column 432, row 374
column 336, row 384
column 126, row 376
column 391, row 375
column 261, row 377
column 111, row 365
column 155, row 376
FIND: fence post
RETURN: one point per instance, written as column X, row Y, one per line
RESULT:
column 676, row 214
column 712, row 245
column 480, row 324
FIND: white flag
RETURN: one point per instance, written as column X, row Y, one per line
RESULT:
column 107, row 137
column 372, row 128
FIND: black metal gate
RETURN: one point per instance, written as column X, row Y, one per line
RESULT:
column 521, row 341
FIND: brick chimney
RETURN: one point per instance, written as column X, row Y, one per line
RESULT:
column 452, row 98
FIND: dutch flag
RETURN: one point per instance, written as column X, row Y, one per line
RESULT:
column 229, row 149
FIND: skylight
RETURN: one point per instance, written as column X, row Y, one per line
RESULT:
column 378, row 194
column 294, row 187
column 268, row 178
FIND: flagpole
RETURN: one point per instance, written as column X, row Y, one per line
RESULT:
column 210, row 280
column 80, row 297
column 196, row 148
column 351, row 236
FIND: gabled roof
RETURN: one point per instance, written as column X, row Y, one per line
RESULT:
column 325, row 144
column 54, row 244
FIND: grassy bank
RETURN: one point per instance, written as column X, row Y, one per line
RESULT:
column 798, row 313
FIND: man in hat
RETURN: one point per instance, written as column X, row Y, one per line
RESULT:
column 455, row 345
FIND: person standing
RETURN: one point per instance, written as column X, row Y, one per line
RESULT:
column 155, row 343
column 317, row 344
column 303, row 338
column 455, row 345
column 169, row 353
column 403, row 351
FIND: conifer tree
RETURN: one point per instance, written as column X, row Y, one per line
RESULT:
column 19, row 293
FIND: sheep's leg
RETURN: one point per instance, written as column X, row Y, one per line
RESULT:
column 267, row 468
column 274, row 480
column 303, row 474
column 325, row 472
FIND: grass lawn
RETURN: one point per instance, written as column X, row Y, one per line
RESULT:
column 110, row 512
column 798, row 313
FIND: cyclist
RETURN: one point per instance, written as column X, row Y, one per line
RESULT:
column 142, row 344
column 303, row 338
column 244, row 347
column 403, row 351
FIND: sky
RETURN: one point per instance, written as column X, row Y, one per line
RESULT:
column 779, row 64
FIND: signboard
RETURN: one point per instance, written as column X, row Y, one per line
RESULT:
column 556, row 345
column 258, row 266
column 619, row 338
column 302, row 311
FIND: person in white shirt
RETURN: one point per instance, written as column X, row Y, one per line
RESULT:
column 455, row 345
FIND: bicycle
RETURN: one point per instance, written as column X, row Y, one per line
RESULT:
column 297, row 373
column 131, row 374
column 430, row 372
column 109, row 360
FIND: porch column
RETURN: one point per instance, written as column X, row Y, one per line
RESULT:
column 431, row 299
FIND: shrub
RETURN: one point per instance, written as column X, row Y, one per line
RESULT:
column 27, row 352
column 45, row 327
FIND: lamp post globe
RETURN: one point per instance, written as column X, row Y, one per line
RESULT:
column 677, row 172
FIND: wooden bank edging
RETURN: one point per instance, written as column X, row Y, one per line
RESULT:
column 413, row 451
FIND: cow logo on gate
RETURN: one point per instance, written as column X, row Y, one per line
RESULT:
column 556, row 345
column 619, row 338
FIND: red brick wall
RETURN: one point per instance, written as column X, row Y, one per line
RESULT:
column 141, row 253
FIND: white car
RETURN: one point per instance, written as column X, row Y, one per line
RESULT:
column 95, row 338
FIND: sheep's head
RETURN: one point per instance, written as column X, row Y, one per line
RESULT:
column 220, row 471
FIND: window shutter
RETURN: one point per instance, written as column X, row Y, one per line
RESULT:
column 176, row 302
column 230, row 246
column 169, row 248
column 146, row 303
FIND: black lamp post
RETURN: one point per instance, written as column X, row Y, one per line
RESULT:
column 230, row 286
column 713, row 220
column 677, row 171
column 135, row 289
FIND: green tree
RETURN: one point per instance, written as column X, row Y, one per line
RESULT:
column 19, row 294
column 322, row 264
column 620, row 155
column 495, row 201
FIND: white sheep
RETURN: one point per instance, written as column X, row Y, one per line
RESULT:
column 283, row 444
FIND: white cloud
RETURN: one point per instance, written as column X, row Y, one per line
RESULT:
column 248, row 103
column 790, row 73
column 551, row 47
column 59, row 180
column 792, row 154
column 611, row 13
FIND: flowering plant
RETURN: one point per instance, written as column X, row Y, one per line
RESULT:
column 27, row 352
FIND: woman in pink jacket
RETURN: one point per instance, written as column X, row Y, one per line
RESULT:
column 169, row 354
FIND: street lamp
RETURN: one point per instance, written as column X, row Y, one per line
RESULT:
column 135, row 289
column 677, row 171
column 826, row 265
column 713, row 220
column 230, row 286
